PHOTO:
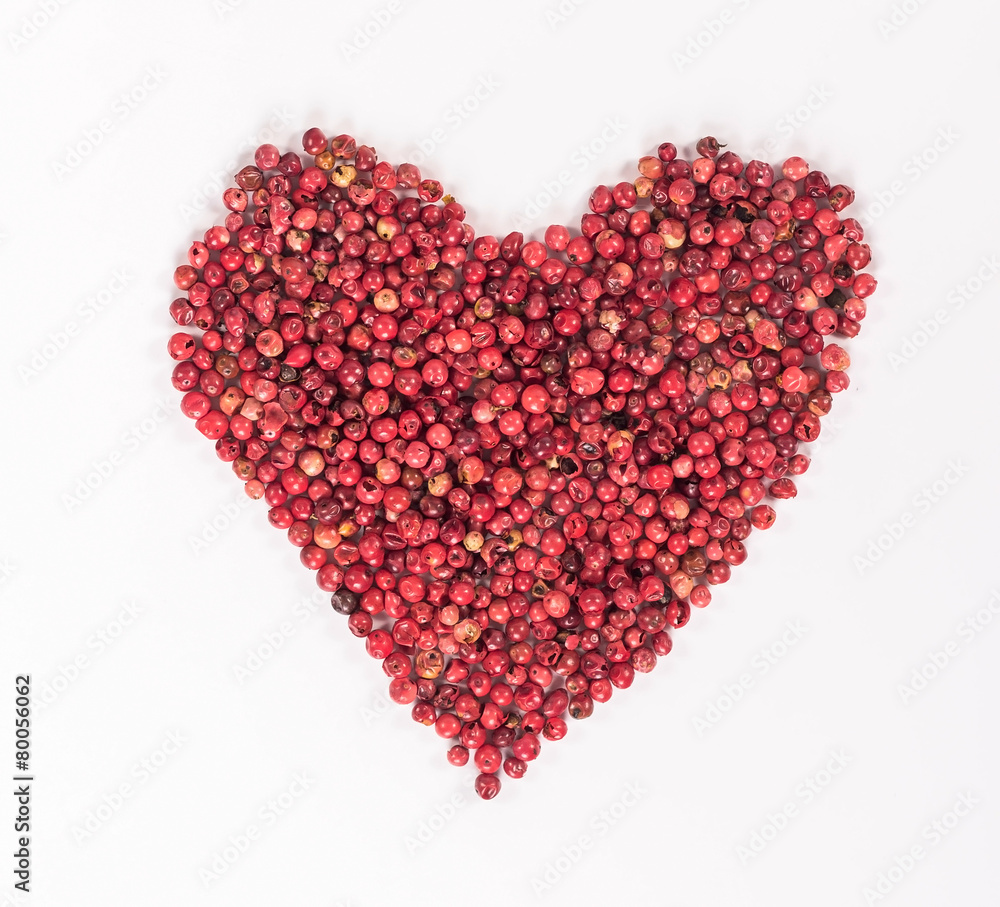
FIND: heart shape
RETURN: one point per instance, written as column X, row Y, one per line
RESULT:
column 517, row 465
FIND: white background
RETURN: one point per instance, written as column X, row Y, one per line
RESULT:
column 132, row 616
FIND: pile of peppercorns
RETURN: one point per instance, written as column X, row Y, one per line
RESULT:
column 517, row 465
